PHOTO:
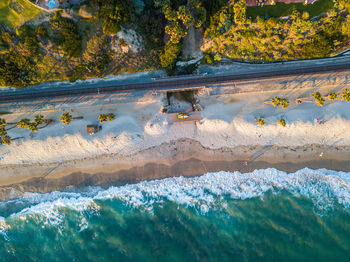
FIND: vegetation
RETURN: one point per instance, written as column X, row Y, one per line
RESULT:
column 67, row 35
column 114, row 13
column 332, row 96
column 276, row 101
column 81, row 44
column 261, row 121
column 66, row 118
column 282, row 9
column 169, row 56
column 103, row 118
column 282, row 122
column 5, row 139
column 111, row 117
column 32, row 126
column 318, row 98
column 345, row 95
column 301, row 35
column 13, row 13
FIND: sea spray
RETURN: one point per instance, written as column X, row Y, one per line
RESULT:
column 323, row 187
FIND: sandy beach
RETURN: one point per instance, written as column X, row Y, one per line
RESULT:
column 144, row 143
column 183, row 157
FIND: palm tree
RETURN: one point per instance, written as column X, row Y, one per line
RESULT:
column 33, row 127
column 66, row 118
column 2, row 122
column 345, row 94
column 284, row 102
column 3, row 131
column 111, row 117
column 6, row 140
column 39, row 119
column 102, row 118
column 282, row 122
column 332, row 96
column 318, row 98
column 23, row 123
column 261, row 121
column 276, row 101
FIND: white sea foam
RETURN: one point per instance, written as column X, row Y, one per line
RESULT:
column 324, row 187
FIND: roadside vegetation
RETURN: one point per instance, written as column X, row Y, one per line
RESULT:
column 93, row 39
column 13, row 13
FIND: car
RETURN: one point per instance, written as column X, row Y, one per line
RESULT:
column 183, row 116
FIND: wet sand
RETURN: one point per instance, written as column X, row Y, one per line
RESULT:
column 183, row 157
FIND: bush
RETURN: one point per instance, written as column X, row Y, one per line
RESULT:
column 169, row 55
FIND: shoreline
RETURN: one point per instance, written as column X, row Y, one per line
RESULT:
column 183, row 157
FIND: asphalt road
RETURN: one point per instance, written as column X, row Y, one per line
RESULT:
column 170, row 84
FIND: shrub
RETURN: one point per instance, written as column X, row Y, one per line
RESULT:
column 169, row 56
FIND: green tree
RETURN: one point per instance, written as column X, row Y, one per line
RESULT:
column 169, row 13
column 39, row 119
column 102, row 118
column 193, row 3
column 160, row 3
column 176, row 32
column 184, row 15
column 261, row 121
column 110, row 26
column 23, row 123
column 3, row 131
column 2, row 122
column 33, row 127
column 284, row 103
column 66, row 118
column 345, row 94
column 239, row 10
column 169, row 55
column 201, row 16
column 6, row 140
column 332, row 96
column 318, row 98
column 282, row 122
column 276, row 101
column 111, row 117
column 67, row 35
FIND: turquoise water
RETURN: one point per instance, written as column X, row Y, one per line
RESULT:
column 266, row 215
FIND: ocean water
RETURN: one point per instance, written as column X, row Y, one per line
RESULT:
column 266, row 215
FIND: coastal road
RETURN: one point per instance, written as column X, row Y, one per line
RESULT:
column 170, row 83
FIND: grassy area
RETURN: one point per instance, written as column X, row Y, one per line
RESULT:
column 281, row 9
column 11, row 17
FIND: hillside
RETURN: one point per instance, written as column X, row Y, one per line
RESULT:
column 95, row 38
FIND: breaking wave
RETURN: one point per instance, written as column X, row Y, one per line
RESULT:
column 324, row 187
